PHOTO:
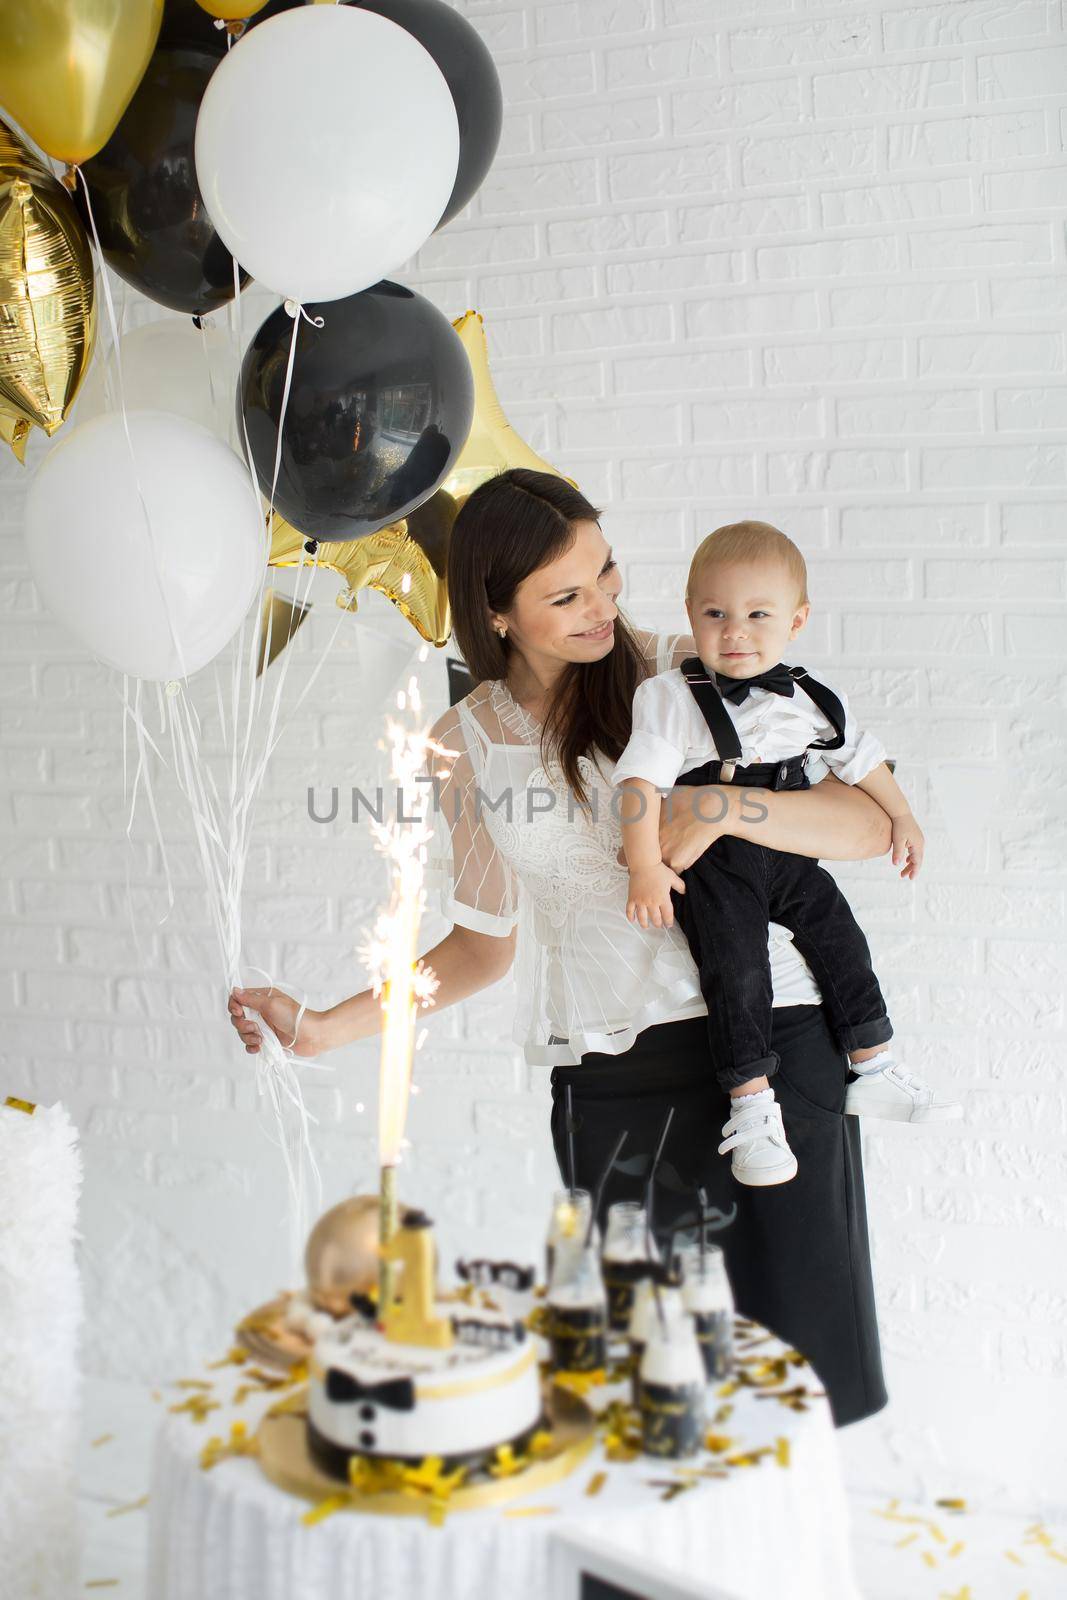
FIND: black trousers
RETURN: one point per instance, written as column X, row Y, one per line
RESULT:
column 797, row 1253
column 731, row 892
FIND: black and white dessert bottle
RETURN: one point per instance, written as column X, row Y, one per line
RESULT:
column 568, row 1225
column 629, row 1251
column 656, row 1295
column 673, row 1390
column 577, row 1312
column 707, row 1296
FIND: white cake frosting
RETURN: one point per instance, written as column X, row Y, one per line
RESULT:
column 461, row 1401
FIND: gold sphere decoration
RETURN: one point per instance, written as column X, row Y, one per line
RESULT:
column 342, row 1257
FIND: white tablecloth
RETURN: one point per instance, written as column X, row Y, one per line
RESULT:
column 765, row 1531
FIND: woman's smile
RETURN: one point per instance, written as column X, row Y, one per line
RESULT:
column 601, row 631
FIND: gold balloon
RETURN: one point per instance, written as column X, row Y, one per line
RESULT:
column 391, row 561
column 47, row 294
column 408, row 560
column 341, row 1257
column 231, row 10
column 68, row 68
column 15, row 432
column 279, row 619
column 492, row 445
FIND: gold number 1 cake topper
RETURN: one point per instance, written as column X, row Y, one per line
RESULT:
column 408, row 1315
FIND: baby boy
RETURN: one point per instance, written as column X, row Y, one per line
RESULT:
column 735, row 713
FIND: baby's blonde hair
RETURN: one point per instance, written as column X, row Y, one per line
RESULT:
column 749, row 541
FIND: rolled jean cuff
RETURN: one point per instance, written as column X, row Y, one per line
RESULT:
column 865, row 1035
column 734, row 1077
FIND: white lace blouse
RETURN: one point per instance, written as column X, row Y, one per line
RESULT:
column 513, row 848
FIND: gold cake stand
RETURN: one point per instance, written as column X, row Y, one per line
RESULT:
column 283, row 1454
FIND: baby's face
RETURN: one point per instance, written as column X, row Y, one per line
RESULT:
column 743, row 616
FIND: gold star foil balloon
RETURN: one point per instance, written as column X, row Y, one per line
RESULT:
column 15, row 432
column 279, row 619
column 47, row 296
column 408, row 560
column 68, row 68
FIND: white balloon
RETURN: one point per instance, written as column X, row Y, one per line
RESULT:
column 326, row 150
column 168, row 365
column 157, row 597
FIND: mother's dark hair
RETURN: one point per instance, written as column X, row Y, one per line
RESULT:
column 509, row 527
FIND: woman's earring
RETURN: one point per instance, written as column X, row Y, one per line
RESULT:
column 502, row 632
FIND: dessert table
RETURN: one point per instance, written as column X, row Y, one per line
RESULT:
column 760, row 1512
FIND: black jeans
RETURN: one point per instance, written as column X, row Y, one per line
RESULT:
column 731, row 892
column 797, row 1253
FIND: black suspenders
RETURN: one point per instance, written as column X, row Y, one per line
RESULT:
column 707, row 696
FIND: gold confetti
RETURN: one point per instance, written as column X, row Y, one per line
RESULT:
column 936, row 1533
column 134, row 1505
column 197, row 1406
column 717, row 1443
column 234, row 1357
column 506, row 1464
column 324, row 1509
column 781, row 1451
column 580, row 1383
column 193, row 1383
column 596, row 1483
column 961, row 1594
column 240, row 1443
column 29, row 1108
column 931, row 1561
column 955, row 1549
column 951, row 1503
column 1010, row 1555
column 102, row 1583
column 531, row 1511
column 908, row 1538
column 104, row 1438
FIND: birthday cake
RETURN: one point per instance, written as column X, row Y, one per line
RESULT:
column 424, row 1377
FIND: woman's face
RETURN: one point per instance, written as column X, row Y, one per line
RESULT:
column 565, row 611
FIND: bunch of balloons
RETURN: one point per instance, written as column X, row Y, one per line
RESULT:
column 313, row 148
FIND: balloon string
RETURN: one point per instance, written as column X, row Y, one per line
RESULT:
column 113, row 324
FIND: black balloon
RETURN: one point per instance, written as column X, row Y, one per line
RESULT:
column 153, row 225
column 380, row 405
column 468, row 69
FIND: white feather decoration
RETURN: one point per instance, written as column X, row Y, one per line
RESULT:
column 40, row 1385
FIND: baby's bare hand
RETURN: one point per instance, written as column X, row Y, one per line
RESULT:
column 649, row 898
column 909, row 845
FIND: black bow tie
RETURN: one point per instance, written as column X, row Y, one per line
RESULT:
column 396, row 1394
column 778, row 680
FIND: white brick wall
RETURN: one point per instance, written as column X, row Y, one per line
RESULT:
column 736, row 257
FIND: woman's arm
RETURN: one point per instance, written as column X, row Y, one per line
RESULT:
column 463, row 962
column 830, row 822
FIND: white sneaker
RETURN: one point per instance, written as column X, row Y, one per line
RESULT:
column 754, row 1132
column 884, row 1089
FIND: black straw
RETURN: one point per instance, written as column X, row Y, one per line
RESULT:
column 652, row 1178
column 602, row 1180
column 570, row 1139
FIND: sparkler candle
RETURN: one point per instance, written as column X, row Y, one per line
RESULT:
column 398, row 976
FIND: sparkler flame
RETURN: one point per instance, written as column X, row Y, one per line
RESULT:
column 403, row 982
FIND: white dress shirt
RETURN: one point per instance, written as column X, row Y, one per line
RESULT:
column 670, row 736
column 586, row 977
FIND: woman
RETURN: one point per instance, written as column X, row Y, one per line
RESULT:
column 532, row 872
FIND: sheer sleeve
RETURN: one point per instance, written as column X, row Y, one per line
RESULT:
column 476, row 885
column 662, row 651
